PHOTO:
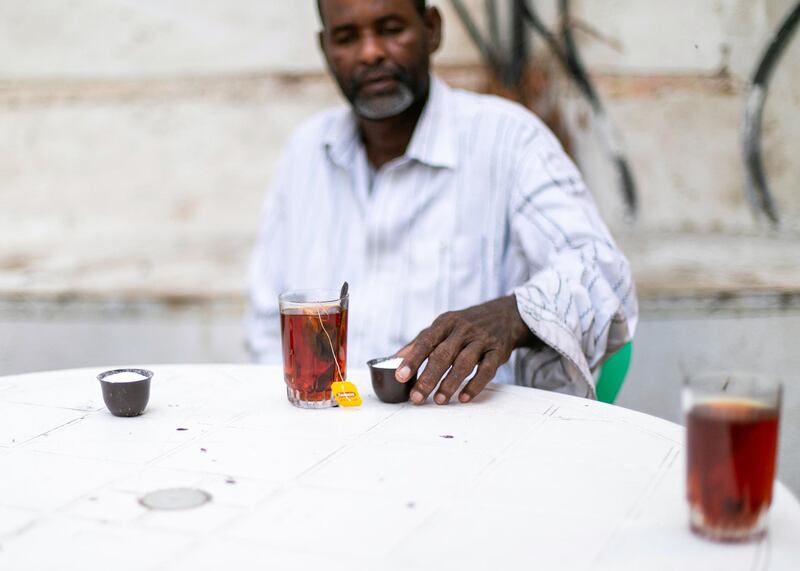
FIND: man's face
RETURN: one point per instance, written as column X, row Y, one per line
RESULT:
column 379, row 52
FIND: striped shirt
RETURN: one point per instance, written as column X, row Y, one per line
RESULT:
column 483, row 203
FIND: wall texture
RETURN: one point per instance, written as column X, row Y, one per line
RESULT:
column 674, row 78
column 138, row 137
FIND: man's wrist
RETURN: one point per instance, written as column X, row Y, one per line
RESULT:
column 521, row 334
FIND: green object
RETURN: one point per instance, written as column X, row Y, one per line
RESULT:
column 612, row 374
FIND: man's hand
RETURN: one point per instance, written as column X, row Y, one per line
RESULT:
column 483, row 335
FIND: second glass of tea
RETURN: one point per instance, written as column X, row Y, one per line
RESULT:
column 314, row 335
column 732, row 445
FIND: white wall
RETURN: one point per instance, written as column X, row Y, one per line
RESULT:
column 91, row 39
column 138, row 137
column 674, row 76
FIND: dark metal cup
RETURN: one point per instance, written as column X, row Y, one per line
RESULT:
column 126, row 398
column 386, row 386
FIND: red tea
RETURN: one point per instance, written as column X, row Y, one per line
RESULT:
column 314, row 350
column 731, row 465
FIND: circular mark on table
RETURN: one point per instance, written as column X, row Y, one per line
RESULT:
column 175, row 499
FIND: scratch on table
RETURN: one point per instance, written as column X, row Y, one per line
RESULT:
column 54, row 429
column 166, row 450
column 228, row 376
column 637, row 507
column 651, row 432
column 322, row 460
column 629, row 424
column 667, row 460
column 347, row 446
column 21, row 529
column 594, row 420
column 77, row 408
column 384, row 419
column 652, row 486
column 501, row 453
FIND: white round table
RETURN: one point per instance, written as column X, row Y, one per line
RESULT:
column 519, row 479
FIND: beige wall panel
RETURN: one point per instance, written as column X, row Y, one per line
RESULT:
column 680, row 36
column 147, row 195
column 156, row 38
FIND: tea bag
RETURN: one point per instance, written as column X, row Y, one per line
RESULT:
column 324, row 320
column 344, row 392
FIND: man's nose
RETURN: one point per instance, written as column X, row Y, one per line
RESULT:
column 371, row 51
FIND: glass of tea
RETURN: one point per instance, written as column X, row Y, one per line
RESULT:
column 314, row 335
column 732, row 444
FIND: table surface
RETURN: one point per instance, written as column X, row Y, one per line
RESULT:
column 518, row 479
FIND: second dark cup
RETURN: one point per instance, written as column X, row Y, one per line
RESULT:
column 126, row 396
column 386, row 387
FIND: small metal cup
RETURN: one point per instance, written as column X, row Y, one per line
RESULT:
column 386, row 386
column 126, row 398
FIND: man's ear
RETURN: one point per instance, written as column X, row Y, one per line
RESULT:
column 433, row 24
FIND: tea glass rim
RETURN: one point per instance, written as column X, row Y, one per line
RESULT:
column 712, row 385
column 315, row 296
column 739, row 378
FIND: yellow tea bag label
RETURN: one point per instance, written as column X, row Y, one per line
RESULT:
column 346, row 393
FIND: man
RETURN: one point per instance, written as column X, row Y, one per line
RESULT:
column 463, row 228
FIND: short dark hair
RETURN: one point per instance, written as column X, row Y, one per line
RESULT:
column 420, row 5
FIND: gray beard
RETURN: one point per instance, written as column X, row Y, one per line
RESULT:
column 377, row 107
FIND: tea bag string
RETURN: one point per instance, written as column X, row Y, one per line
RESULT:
column 330, row 344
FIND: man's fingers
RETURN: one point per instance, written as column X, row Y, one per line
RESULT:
column 461, row 369
column 486, row 370
column 418, row 350
column 404, row 352
column 438, row 362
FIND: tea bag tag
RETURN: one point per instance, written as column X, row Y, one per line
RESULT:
column 346, row 394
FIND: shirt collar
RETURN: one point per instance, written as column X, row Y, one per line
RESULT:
column 433, row 143
column 341, row 139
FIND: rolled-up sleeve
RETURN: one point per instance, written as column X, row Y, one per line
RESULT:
column 579, row 298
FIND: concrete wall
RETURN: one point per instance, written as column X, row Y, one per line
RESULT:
column 121, row 39
column 674, row 75
column 138, row 137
